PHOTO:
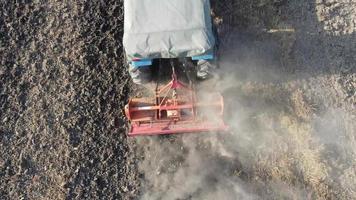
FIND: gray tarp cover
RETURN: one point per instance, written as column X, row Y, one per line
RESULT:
column 167, row 28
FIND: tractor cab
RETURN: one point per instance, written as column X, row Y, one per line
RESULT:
column 170, row 29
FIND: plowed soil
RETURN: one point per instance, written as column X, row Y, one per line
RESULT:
column 288, row 75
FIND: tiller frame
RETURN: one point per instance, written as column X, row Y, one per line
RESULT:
column 175, row 114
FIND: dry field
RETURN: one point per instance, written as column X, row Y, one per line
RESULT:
column 288, row 75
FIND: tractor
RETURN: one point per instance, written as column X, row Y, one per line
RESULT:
column 175, row 36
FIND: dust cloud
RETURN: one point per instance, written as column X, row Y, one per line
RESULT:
column 289, row 102
column 282, row 143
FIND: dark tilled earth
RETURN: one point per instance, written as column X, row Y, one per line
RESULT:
column 63, row 84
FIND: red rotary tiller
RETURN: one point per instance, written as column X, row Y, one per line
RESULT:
column 175, row 109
